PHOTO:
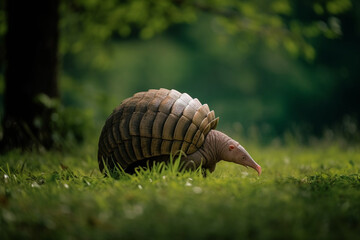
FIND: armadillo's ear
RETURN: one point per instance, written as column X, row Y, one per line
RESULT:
column 231, row 147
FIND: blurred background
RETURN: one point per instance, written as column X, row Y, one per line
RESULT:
column 271, row 70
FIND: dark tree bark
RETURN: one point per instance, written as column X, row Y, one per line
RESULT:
column 31, row 70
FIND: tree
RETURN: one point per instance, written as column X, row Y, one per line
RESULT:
column 31, row 72
column 32, row 42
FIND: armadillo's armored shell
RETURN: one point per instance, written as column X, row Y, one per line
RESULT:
column 154, row 123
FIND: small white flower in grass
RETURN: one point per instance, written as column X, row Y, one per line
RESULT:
column 197, row 190
column 35, row 185
column 188, row 182
column 164, row 177
column 150, row 180
column 244, row 174
column 140, row 187
column 66, row 186
column 6, row 178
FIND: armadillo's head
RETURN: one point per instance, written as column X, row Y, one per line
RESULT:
column 236, row 153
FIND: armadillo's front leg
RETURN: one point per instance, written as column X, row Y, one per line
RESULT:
column 193, row 161
column 191, row 165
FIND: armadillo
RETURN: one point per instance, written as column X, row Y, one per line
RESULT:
column 152, row 125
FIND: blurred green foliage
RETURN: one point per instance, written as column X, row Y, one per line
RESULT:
column 69, row 125
column 265, row 67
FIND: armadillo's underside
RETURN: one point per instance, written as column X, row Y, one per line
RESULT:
column 153, row 123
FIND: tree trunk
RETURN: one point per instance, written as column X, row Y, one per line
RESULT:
column 31, row 70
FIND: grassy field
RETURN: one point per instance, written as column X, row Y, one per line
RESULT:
column 303, row 193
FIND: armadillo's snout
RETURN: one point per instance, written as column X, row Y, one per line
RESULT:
column 251, row 163
column 258, row 169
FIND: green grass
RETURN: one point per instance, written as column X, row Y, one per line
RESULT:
column 303, row 193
